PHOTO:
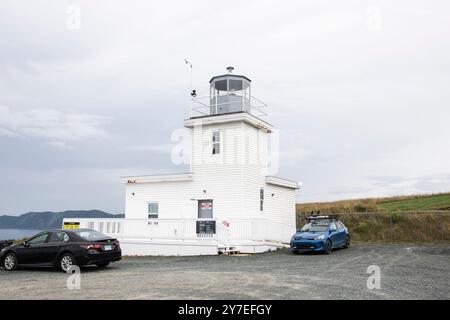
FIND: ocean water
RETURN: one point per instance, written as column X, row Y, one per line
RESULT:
column 14, row 234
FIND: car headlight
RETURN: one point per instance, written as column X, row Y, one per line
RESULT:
column 321, row 237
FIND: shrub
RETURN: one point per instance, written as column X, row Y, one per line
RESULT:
column 395, row 217
column 360, row 208
column 362, row 227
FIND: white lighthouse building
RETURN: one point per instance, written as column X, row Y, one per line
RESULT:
column 227, row 202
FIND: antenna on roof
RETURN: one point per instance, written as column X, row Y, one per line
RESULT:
column 230, row 69
column 193, row 93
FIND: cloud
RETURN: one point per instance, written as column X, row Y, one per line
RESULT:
column 351, row 102
column 157, row 148
column 56, row 127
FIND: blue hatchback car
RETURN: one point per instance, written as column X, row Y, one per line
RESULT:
column 321, row 233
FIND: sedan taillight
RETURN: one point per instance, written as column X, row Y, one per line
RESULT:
column 91, row 246
column 117, row 244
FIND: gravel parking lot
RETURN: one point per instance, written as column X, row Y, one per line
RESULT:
column 407, row 272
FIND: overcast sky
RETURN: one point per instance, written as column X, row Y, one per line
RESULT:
column 92, row 90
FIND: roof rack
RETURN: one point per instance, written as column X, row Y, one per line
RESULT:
column 318, row 216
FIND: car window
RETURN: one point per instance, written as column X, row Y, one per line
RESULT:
column 315, row 226
column 90, row 235
column 58, row 237
column 39, row 239
column 339, row 225
column 332, row 225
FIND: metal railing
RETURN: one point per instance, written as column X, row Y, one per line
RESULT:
column 227, row 231
column 205, row 106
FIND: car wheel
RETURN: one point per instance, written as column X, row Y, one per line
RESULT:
column 103, row 264
column 328, row 247
column 66, row 262
column 10, row 262
column 347, row 242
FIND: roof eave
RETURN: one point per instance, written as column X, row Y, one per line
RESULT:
column 178, row 177
column 230, row 75
column 280, row 182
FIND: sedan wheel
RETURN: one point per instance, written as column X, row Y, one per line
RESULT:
column 66, row 262
column 10, row 262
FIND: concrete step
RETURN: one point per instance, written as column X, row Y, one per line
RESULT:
column 227, row 250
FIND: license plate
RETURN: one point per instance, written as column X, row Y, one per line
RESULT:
column 108, row 248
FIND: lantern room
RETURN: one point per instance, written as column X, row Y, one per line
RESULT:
column 229, row 93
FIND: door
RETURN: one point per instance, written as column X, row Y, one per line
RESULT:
column 205, row 209
column 342, row 236
column 334, row 234
column 50, row 249
column 29, row 253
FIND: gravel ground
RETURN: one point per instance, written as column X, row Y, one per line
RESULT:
column 407, row 272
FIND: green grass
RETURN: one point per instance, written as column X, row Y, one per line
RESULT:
column 418, row 203
column 414, row 203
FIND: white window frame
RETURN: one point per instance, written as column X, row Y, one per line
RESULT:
column 153, row 213
column 261, row 199
column 217, row 143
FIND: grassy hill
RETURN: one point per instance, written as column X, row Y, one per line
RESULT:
column 415, row 218
column 431, row 202
column 417, row 203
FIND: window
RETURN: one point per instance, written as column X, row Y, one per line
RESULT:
column 315, row 226
column 58, row 237
column 333, row 226
column 216, row 142
column 235, row 85
column 153, row 210
column 261, row 199
column 39, row 239
column 339, row 225
column 90, row 235
column 221, row 86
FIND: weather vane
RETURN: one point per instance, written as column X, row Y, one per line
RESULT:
column 193, row 93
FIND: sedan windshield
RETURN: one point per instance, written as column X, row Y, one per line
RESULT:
column 90, row 235
column 315, row 226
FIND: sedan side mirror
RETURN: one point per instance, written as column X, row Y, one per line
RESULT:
column 25, row 243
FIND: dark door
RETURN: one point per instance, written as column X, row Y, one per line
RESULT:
column 205, row 209
column 29, row 253
column 50, row 249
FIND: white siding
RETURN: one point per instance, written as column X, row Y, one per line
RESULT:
column 220, row 175
column 173, row 198
column 255, row 169
column 281, row 206
column 232, row 179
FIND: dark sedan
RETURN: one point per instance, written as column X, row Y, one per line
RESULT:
column 63, row 249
